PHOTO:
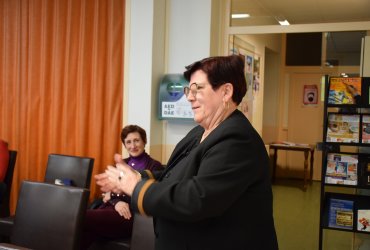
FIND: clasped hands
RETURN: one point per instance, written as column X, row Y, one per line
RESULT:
column 119, row 179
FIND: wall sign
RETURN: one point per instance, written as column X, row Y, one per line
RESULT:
column 172, row 101
column 310, row 95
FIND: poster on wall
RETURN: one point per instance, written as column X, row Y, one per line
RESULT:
column 310, row 95
column 249, row 98
column 256, row 75
column 248, row 64
column 240, row 47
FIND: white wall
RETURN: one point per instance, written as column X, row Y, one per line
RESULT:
column 365, row 57
column 138, row 63
column 188, row 27
column 189, row 30
column 144, row 30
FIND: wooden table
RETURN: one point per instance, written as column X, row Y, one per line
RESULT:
column 307, row 149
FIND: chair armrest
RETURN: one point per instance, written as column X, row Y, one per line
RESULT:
column 96, row 203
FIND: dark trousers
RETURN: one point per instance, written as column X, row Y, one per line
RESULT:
column 104, row 223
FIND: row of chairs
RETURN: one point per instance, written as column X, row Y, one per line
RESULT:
column 77, row 169
column 43, row 220
column 39, row 214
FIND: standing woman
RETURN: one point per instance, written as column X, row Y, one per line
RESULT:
column 113, row 219
column 215, row 192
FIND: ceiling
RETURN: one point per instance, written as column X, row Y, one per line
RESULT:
column 267, row 12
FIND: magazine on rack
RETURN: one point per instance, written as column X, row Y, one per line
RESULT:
column 363, row 220
column 344, row 90
column 341, row 213
column 365, row 138
column 341, row 169
column 365, row 171
column 343, row 128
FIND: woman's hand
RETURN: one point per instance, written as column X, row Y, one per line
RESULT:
column 119, row 179
column 123, row 209
column 118, row 158
column 106, row 197
column 104, row 183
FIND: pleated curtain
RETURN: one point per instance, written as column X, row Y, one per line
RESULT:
column 61, row 82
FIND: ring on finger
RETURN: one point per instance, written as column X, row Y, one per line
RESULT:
column 121, row 174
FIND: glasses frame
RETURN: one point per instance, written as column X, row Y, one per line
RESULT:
column 193, row 91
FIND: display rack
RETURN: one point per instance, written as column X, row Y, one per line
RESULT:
column 346, row 157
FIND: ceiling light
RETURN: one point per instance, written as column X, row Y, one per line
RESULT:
column 240, row 15
column 285, row 22
column 282, row 20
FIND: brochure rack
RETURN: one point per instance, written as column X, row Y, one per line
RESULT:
column 345, row 176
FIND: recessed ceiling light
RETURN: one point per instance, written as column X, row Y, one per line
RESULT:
column 282, row 20
column 240, row 15
column 285, row 22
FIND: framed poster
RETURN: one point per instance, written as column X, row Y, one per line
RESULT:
column 310, row 94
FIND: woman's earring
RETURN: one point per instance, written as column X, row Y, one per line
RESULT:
column 226, row 105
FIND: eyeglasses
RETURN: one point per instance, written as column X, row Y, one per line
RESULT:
column 194, row 88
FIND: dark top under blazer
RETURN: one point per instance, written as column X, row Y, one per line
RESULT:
column 213, row 195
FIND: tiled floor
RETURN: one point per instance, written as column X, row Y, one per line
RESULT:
column 296, row 216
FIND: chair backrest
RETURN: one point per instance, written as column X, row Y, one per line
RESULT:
column 49, row 216
column 10, row 171
column 4, row 207
column 143, row 237
column 76, row 168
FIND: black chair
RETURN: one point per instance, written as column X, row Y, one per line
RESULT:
column 4, row 206
column 75, row 168
column 6, row 221
column 142, row 238
column 49, row 216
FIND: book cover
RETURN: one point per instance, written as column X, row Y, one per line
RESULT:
column 365, row 138
column 341, row 169
column 343, row 128
column 363, row 220
column 344, row 90
column 365, row 171
column 341, row 213
column 288, row 143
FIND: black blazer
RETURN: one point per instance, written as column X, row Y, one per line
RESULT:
column 215, row 194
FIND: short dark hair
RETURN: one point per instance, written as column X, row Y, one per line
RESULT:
column 131, row 129
column 221, row 70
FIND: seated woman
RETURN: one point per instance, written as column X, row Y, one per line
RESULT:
column 113, row 219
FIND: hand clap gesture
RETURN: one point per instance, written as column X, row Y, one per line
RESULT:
column 119, row 179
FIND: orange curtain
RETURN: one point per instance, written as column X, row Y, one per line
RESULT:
column 61, row 77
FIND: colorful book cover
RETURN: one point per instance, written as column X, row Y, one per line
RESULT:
column 341, row 214
column 343, row 128
column 343, row 90
column 363, row 220
column 341, row 169
column 366, row 173
column 365, row 129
